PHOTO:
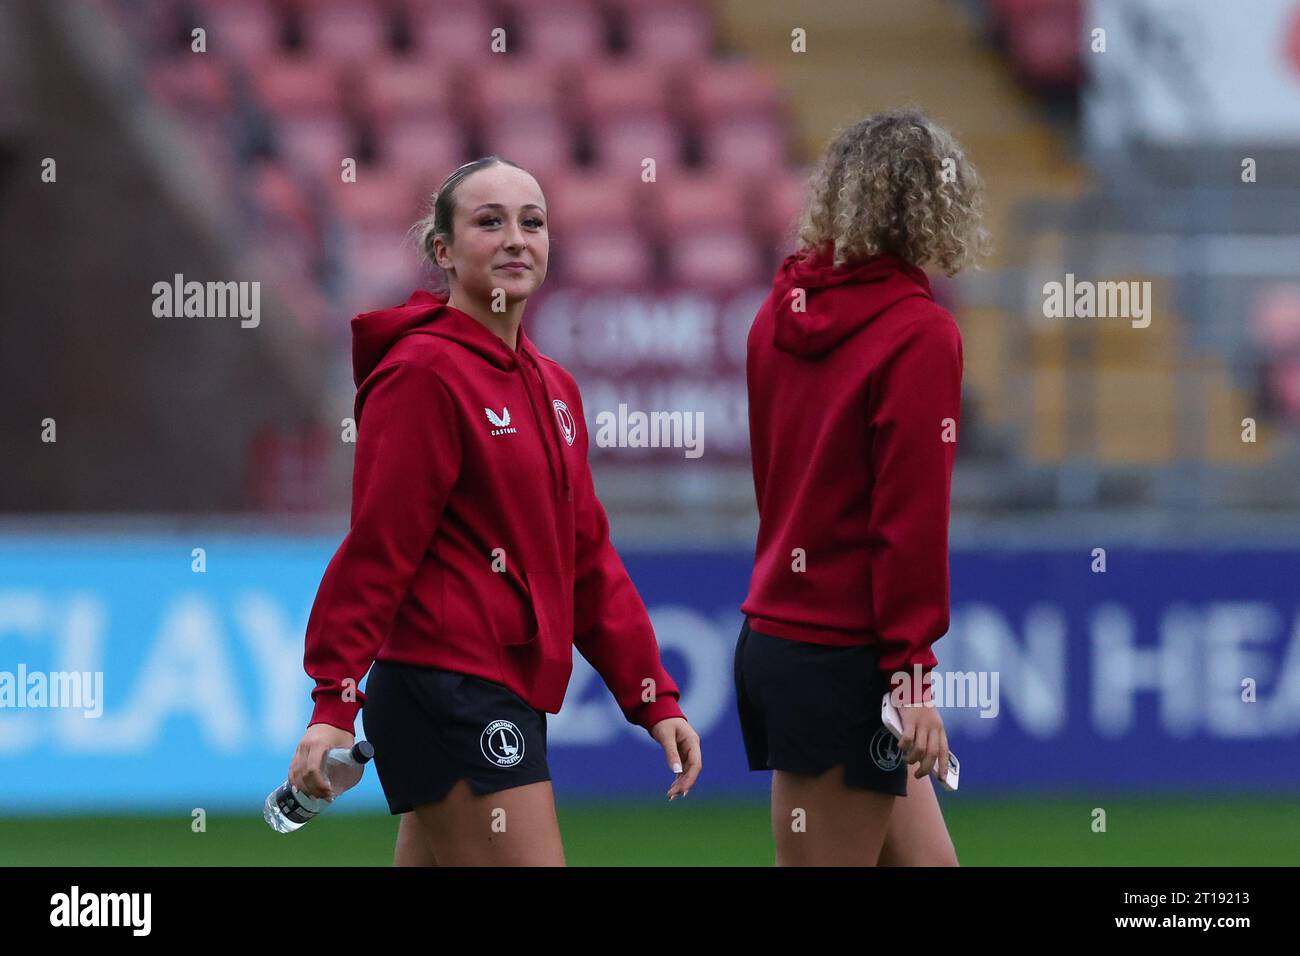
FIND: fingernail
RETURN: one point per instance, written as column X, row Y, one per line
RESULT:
column 677, row 768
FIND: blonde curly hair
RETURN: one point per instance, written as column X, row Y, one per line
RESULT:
column 899, row 184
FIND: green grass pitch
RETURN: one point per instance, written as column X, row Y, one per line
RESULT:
column 1023, row 831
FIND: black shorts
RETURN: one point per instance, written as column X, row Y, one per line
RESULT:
column 805, row 708
column 431, row 728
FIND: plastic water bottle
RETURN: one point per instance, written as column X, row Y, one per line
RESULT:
column 287, row 808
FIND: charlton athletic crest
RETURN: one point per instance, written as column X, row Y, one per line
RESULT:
column 566, row 420
column 502, row 743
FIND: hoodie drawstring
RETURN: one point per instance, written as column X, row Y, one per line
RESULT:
column 564, row 486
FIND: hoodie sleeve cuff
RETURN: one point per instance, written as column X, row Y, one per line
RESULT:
column 334, row 710
column 651, row 712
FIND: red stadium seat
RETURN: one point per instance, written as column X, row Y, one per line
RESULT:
column 1045, row 46
column 382, row 198
column 622, row 145
column 776, row 201
column 679, row 33
column 316, row 143
column 540, row 143
column 503, row 88
column 745, row 144
column 290, row 86
column 562, row 31
column 454, row 31
column 583, row 201
column 691, row 201
column 283, row 201
column 382, row 268
column 417, row 145
column 346, row 29
column 603, row 258
column 622, row 89
column 282, row 252
column 247, row 30
column 400, row 89
column 719, row 257
column 716, row 90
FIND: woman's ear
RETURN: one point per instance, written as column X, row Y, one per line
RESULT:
column 440, row 255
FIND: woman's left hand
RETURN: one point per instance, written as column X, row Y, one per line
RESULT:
column 679, row 741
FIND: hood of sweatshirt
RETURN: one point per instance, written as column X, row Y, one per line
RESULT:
column 836, row 303
column 427, row 313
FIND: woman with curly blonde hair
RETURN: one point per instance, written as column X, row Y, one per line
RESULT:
column 854, row 376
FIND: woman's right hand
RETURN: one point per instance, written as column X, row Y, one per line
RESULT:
column 305, row 768
column 924, row 740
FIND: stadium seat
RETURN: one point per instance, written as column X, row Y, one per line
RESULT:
column 623, row 144
column 283, row 201
column 775, row 202
column 686, row 202
column 247, row 30
column 383, row 197
column 720, row 257
column 318, row 144
column 1045, row 46
column 381, row 266
column 404, row 89
column 580, row 201
column 540, row 143
column 505, row 88
column 422, row 144
column 563, row 31
column 676, row 33
column 297, row 86
column 604, row 258
column 346, row 29
column 745, row 144
column 453, row 31
column 619, row 89
column 717, row 90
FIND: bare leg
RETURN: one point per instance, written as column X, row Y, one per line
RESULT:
column 819, row 821
column 917, row 834
column 413, row 847
column 515, row 827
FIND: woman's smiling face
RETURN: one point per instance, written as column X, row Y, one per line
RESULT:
column 500, row 238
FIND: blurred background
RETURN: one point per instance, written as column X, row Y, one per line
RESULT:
column 1126, row 510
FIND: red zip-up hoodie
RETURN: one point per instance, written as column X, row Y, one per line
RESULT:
column 854, row 381
column 477, row 543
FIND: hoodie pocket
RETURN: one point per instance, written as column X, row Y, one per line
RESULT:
column 552, row 596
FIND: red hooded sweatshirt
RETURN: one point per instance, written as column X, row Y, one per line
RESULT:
column 477, row 543
column 854, row 381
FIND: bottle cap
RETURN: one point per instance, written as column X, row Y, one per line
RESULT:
column 362, row 751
